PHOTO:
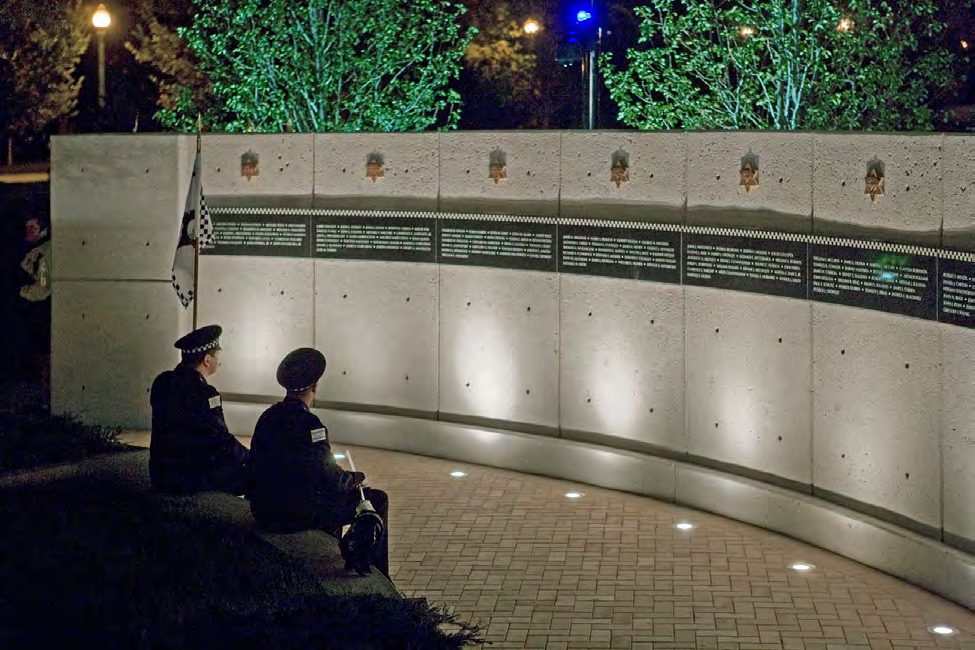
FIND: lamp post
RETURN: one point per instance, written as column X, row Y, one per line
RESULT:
column 100, row 20
column 532, row 27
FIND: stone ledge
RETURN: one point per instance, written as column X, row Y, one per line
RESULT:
column 884, row 546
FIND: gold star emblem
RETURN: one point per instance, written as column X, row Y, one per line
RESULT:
column 749, row 177
column 619, row 174
column 874, row 184
column 497, row 171
column 374, row 167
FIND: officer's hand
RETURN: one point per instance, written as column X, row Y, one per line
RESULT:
column 351, row 481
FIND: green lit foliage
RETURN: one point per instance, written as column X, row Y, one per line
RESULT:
column 321, row 65
column 40, row 47
column 784, row 64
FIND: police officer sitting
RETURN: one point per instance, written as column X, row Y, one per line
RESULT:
column 191, row 449
column 297, row 484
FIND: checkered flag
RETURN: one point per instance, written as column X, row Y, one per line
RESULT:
column 184, row 261
column 207, row 238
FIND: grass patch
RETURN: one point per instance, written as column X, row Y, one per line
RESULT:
column 31, row 437
column 90, row 563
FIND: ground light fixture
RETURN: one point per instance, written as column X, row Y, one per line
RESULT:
column 573, row 495
column 802, row 567
column 684, row 525
column 458, row 474
column 943, row 630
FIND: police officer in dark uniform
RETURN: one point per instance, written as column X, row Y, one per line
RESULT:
column 191, row 449
column 297, row 484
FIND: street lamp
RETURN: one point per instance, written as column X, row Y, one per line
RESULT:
column 100, row 20
column 531, row 26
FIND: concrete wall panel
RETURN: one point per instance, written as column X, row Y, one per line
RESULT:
column 531, row 182
column 377, row 325
column 265, row 307
column 622, row 366
column 957, row 167
column 655, row 187
column 958, row 432
column 499, row 344
column 286, row 164
column 410, row 168
column 910, row 209
column 781, row 201
column 116, row 204
column 876, row 380
column 109, row 340
column 748, row 381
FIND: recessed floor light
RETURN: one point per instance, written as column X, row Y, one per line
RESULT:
column 684, row 525
column 458, row 474
column 573, row 495
column 339, row 456
column 943, row 630
column 801, row 566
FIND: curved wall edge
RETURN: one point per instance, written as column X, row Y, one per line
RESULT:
column 906, row 555
column 622, row 444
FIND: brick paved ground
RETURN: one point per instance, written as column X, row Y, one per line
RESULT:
column 609, row 570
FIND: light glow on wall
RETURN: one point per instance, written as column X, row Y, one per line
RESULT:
column 493, row 391
column 614, row 389
column 741, row 414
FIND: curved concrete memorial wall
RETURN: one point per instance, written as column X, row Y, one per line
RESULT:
column 777, row 327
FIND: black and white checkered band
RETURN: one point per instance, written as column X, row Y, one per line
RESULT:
column 202, row 348
column 607, row 223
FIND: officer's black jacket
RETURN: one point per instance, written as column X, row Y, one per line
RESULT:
column 191, row 449
column 293, row 471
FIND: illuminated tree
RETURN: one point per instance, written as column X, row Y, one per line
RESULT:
column 40, row 47
column 318, row 65
column 785, row 64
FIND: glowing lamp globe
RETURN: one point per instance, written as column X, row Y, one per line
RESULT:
column 101, row 19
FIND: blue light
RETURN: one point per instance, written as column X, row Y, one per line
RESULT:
column 888, row 276
column 582, row 16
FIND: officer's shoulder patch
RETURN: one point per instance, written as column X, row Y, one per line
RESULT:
column 318, row 435
column 215, row 402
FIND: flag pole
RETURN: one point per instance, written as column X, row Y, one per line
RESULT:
column 196, row 243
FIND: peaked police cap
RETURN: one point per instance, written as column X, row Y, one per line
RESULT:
column 205, row 339
column 301, row 368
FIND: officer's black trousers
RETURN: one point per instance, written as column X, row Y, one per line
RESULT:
column 340, row 510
